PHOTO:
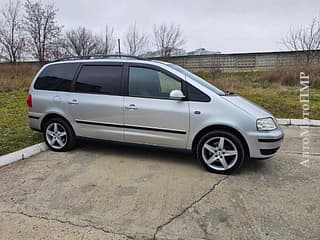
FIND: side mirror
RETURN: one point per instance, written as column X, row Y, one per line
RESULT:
column 176, row 95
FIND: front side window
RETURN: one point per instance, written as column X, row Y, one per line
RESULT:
column 56, row 77
column 99, row 80
column 150, row 83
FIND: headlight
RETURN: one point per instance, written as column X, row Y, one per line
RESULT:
column 266, row 124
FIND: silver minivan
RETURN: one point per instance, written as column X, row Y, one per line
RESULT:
column 150, row 102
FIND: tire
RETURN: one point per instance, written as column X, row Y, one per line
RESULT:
column 220, row 152
column 59, row 135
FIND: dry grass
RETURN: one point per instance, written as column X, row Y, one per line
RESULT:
column 233, row 81
column 17, row 76
column 281, row 77
column 289, row 76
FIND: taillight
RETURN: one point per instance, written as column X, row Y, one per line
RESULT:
column 29, row 101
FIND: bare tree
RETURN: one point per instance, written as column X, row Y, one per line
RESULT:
column 1, row 53
column 81, row 42
column 167, row 38
column 304, row 39
column 107, row 43
column 11, row 31
column 42, row 28
column 135, row 42
column 58, row 51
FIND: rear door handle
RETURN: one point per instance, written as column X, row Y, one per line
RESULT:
column 131, row 107
column 73, row 101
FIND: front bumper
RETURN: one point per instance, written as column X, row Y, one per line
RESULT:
column 264, row 144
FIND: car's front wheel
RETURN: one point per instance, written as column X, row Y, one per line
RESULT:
column 220, row 151
column 59, row 135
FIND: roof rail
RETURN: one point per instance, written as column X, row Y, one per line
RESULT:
column 69, row 58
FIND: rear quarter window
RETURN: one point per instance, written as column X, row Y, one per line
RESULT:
column 57, row 77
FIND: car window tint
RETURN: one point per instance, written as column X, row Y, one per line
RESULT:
column 194, row 94
column 56, row 77
column 145, row 82
column 100, row 80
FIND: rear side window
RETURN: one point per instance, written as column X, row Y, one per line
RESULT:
column 57, row 77
column 99, row 80
column 196, row 95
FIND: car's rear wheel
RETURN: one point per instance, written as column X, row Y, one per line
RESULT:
column 59, row 135
column 220, row 152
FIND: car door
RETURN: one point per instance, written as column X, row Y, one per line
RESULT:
column 96, row 104
column 150, row 116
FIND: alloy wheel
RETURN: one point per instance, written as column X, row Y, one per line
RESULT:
column 220, row 153
column 56, row 135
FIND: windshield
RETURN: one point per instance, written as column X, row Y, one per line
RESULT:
column 197, row 79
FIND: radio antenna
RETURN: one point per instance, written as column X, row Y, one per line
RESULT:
column 119, row 48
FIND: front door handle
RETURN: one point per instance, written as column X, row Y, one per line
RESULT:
column 73, row 101
column 131, row 107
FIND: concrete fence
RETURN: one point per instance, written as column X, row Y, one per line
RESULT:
column 259, row 61
column 234, row 62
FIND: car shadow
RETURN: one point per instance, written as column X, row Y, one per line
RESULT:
column 156, row 153
column 138, row 151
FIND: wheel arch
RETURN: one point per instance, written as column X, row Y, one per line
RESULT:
column 50, row 116
column 210, row 128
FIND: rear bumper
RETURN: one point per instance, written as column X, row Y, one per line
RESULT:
column 34, row 121
column 264, row 144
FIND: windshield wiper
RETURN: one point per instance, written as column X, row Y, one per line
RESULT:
column 228, row 93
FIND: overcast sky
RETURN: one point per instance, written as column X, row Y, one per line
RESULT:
column 225, row 25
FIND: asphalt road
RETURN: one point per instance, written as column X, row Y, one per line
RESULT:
column 110, row 191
